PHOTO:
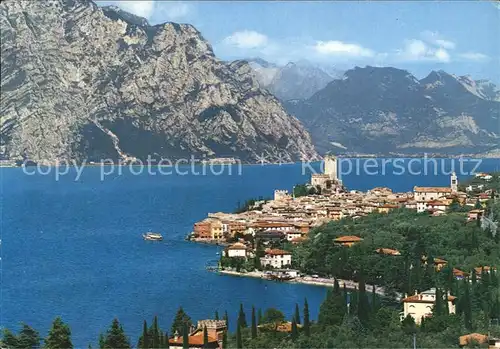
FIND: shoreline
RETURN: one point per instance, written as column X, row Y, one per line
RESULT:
column 308, row 280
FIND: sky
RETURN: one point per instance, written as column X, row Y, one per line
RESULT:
column 459, row 37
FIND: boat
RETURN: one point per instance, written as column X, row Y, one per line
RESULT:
column 152, row 236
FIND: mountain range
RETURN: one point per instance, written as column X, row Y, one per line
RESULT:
column 82, row 82
column 295, row 80
column 384, row 110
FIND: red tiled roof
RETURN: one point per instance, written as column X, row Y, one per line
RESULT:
column 348, row 238
column 432, row 189
column 195, row 340
column 416, row 298
column 277, row 252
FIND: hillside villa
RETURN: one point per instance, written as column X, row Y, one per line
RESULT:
column 420, row 305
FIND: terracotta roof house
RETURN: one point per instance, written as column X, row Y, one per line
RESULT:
column 195, row 341
column 388, row 251
column 472, row 338
column 348, row 240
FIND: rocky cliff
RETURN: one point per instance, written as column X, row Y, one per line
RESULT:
column 387, row 110
column 83, row 82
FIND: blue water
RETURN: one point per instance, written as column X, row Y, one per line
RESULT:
column 74, row 248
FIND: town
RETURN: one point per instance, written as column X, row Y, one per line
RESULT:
column 289, row 217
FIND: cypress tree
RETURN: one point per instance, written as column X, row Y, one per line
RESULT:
column 438, row 308
column 254, row 324
column 185, row 336
column 59, row 336
column 205, row 337
column 307, row 329
column 295, row 332
column 224, row 340
column 297, row 314
column 162, row 339
column 363, row 304
column 144, row 340
column 467, row 307
column 216, row 315
column 155, row 333
column 333, row 308
column 259, row 317
column 242, row 321
column 226, row 318
column 353, row 301
column 239, row 342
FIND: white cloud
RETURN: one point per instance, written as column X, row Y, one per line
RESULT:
column 339, row 48
column 174, row 10
column 140, row 8
column 418, row 50
column 247, row 39
column 442, row 55
column 474, row 56
column 151, row 9
column 435, row 39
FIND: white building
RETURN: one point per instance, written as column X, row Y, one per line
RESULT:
column 236, row 250
column 276, row 258
column 290, row 235
column 420, row 305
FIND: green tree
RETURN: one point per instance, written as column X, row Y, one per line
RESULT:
column 185, row 336
column 363, row 304
column 226, row 318
column 273, row 316
column 297, row 314
column 59, row 336
column 9, row 339
column 205, row 337
column 216, row 315
column 144, row 338
column 155, row 333
column 466, row 306
column 439, row 308
column 224, row 340
column 115, row 337
column 242, row 321
column 254, row 324
column 239, row 341
column 333, row 308
column 295, row 331
column 307, row 325
column 28, row 338
column 180, row 319
column 259, row 317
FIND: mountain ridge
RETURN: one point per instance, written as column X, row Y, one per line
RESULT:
column 98, row 87
column 388, row 110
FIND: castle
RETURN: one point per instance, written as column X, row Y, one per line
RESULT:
column 328, row 179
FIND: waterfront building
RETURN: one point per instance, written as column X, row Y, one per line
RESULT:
column 420, row 305
column 237, row 249
column 276, row 258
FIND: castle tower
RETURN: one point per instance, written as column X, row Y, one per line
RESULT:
column 331, row 167
column 454, row 182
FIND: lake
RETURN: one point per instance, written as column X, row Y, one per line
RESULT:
column 74, row 248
